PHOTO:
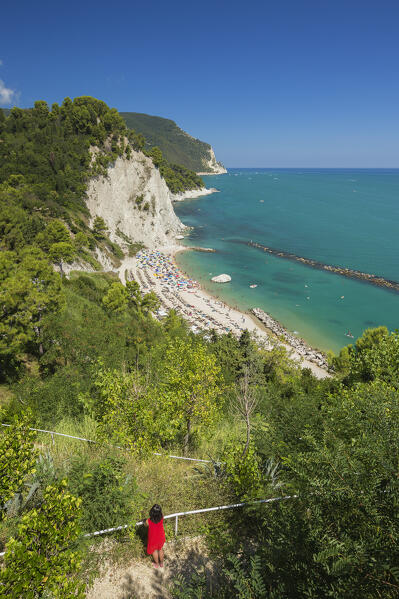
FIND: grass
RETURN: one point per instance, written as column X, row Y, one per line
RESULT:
column 176, row 484
column 134, row 248
column 5, row 395
column 90, row 259
column 228, row 430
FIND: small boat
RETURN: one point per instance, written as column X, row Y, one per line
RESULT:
column 349, row 334
column 253, row 286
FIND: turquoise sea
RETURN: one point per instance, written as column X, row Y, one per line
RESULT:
column 340, row 217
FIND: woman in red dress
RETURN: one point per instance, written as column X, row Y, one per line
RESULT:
column 156, row 535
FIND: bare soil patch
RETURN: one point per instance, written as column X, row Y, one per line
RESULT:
column 140, row 580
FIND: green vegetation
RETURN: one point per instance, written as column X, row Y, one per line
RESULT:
column 333, row 441
column 107, row 365
column 40, row 561
column 175, row 144
column 17, row 459
column 83, row 355
column 178, row 178
column 45, row 163
column 46, row 152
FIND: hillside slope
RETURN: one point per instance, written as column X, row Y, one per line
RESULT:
column 177, row 146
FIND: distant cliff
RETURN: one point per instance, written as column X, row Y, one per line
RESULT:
column 177, row 146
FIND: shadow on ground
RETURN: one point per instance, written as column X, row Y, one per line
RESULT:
column 182, row 559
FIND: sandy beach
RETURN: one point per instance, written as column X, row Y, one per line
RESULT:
column 156, row 270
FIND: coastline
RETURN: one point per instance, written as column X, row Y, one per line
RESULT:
column 221, row 171
column 264, row 322
column 202, row 309
column 191, row 194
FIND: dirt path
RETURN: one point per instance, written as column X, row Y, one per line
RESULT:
column 140, row 580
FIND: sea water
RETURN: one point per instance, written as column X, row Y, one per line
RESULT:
column 346, row 218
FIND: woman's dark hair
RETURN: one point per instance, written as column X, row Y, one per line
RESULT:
column 156, row 513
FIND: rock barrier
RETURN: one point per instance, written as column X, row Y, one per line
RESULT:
column 296, row 343
column 366, row 277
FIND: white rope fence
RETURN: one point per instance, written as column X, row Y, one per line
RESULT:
column 169, row 516
column 178, row 514
column 52, row 433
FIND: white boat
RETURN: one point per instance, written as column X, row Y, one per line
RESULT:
column 253, row 286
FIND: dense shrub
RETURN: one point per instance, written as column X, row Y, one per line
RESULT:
column 107, row 492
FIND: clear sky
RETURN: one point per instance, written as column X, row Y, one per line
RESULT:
column 284, row 83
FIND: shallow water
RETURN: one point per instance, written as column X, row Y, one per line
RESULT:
column 340, row 217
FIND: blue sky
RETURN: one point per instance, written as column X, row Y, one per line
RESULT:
column 288, row 83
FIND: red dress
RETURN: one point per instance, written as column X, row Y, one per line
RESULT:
column 156, row 536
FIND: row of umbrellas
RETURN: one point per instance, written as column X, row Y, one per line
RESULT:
column 164, row 269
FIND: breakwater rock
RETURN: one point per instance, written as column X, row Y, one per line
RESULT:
column 296, row 343
column 338, row 270
column 221, row 279
column 200, row 249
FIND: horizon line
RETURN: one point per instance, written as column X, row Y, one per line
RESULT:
column 319, row 167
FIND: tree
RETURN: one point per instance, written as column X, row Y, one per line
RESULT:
column 61, row 252
column 149, row 302
column 99, row 228
column 134, row 294
column 117, row 298
column 371, row 338
column 156, row 156
column 192, row 385
column 55, row 232
column 250, row 356
column 184, row 391
column 142, row 303
column 226, row 350
column 17, row 458
column 348, row 486
column 245, row 403
column 129, row 410
column 175, row 325
column 374, row 356
column 29, row 292
column 41, row 560
column 41, row 111
column 80, row 241
column 339, row 537
column 242, row 465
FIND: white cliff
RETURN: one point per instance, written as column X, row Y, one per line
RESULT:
column 135, row 202
column 212, row 166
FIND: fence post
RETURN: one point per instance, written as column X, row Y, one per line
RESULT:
column 176, row 525
column 52, row 438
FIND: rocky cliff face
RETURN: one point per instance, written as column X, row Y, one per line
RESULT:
column 135, row 203
column 212, row 166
